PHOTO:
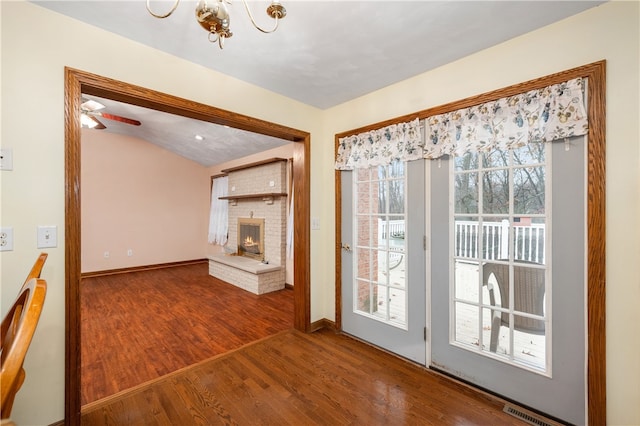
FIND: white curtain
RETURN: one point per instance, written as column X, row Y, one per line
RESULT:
column 290, row 227
column 402, row 142
column 219, row 215
column 543, row 115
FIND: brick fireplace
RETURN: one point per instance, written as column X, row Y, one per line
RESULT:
column 255, row 251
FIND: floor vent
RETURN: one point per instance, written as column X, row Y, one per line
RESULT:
column 528, row 417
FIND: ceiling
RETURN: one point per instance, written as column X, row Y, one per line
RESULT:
column 324, row 53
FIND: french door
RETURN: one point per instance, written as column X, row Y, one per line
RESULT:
column 508, row 276
column 383, row 257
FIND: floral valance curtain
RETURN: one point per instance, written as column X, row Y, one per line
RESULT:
column 543, row 115
column 401, row 141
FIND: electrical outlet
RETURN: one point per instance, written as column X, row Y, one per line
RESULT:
column 6, row 239
column 129, row 252
column 106, row 254
column 6, row 159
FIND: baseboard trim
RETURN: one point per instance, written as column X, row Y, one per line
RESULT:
column 320, row 324
column 142, row 268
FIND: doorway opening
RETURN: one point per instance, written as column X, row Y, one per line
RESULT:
column 79, row 82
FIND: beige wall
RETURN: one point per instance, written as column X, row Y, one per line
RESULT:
column 139, row 197
column 33, row 194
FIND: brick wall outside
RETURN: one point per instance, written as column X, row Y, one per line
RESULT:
column 367, row 202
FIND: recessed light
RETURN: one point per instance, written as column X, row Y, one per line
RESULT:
column 199, row 138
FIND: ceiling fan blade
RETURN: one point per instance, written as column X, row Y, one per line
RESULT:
column 99, row 124
column 119, row 118
column 91, row 105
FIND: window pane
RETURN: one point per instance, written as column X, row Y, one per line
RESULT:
column 381, row 305
column 466, row 237
column 364, row 231
column 363, row 200
column 532, row 153
column 397, row 306
column 397, row 169
column 528, row 239
column 365, row 263
column 495, row 195
column 468, row 161
column 500, row 332
column 495, row 277
column 396, row 196
column 364, row 302
column 528, row 190
column 466, row 281
column 466, row 192
column 529, row 296
column 397, row 232
column 495, row 238
column 529, row 348
column 363, row 174
column 495, row 335
column 495, row 158
column 466, row 324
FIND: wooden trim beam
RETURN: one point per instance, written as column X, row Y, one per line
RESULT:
column 80, row 82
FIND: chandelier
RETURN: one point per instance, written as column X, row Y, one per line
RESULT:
column 213, row 16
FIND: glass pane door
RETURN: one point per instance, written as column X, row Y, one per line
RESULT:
column 383, row 260
column 380, row 290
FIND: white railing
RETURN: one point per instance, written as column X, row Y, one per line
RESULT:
column 392, row 228
column 528, row 239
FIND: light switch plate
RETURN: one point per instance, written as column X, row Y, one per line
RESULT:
column 47, row 236
column 6, row 159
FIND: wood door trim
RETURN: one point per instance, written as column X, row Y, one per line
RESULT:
column 596, row 278
column 78, row 82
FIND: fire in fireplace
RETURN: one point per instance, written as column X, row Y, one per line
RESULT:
column 251, row 238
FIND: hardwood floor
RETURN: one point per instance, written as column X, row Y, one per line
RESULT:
column 294, row 378
column 143, row 325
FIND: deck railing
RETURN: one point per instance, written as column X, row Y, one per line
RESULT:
column 528, row 240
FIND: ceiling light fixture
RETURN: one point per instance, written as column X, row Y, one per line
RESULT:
column 213, row 16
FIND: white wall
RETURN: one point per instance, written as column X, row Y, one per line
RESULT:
column 33, row 59
column 610, row 32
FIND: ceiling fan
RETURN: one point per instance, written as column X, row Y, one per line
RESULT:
column 90, row 109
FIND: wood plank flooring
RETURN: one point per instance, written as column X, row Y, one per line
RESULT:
column 294, row 378
column 143, row 325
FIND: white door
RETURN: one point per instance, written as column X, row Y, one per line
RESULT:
column 383, row 258
column 508, row 276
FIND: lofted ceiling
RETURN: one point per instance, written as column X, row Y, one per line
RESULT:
column 324, row 53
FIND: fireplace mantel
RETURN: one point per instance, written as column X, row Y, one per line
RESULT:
column 267, row 197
